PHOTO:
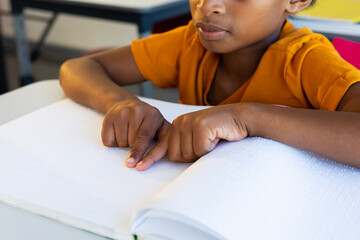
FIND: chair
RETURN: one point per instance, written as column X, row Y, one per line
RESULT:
column 348, row 50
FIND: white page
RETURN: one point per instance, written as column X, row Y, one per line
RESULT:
column 261, row 189
column 53, row 163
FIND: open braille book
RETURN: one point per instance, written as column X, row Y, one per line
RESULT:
column 53, row 163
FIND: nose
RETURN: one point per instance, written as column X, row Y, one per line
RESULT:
column 208, row 7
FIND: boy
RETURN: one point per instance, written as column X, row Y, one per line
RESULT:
column 244, row 57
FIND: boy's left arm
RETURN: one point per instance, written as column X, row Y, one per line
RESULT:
column 333, row 134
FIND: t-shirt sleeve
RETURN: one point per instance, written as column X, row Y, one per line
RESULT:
column 157, row 57
column 325, row 77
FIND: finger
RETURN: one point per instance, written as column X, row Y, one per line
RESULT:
column 174, row 151
column 186, row 145
column 204, row 142
column 155, row 154
column 134, row 126
column 142, row 142
column 121, row 133
column 163, row 130
column 107, row 133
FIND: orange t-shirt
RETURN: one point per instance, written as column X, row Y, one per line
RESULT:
column 301, row 69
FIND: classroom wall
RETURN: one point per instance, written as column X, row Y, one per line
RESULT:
column 71, row 31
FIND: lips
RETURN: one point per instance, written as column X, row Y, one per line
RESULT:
column 210, row 32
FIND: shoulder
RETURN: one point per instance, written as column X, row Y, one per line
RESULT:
column 312, row 68
column 302, row 50
column 302, row 40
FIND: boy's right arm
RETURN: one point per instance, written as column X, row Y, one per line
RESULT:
column 96, row 81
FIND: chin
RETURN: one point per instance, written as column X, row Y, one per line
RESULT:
column 217, row 49
column 215, row 46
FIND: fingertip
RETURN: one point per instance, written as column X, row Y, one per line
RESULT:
column 130, row 162
column 142, row 166
column 155, row 154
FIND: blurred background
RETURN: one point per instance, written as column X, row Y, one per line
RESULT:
column 70, row 36
column 73, row 35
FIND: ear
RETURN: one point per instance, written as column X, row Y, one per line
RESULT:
column 295, row 6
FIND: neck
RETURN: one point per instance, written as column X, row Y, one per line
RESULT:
column 242, row 63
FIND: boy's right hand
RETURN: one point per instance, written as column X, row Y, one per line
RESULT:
column 133, row 123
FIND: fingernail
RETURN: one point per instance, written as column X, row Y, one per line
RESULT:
column 140, row 163
column 130, row 160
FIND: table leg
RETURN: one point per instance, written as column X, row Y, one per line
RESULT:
column 3, row 79
column 22, row 49
column 37, row 49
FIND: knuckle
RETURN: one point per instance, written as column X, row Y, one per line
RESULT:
column 155, row 116
column 107, row 139
column 137, row 109
column 108, row 142
column 108, row 120
column 177, row 121
column 187, row 118
column 173, row 157
column 154, row 111
column 199, row 152
column 124, row 113
column 122, row 142
column 200, row 123
column 187, row 156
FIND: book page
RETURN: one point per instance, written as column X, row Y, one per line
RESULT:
column 53, row 163
column 259, row 189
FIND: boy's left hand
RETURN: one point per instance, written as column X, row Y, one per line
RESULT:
column 194, row 134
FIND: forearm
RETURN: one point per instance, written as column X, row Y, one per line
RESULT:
column 335, row 135
column 87, row 82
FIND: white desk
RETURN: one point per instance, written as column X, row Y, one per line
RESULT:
column 26, row 99
column 16, row 224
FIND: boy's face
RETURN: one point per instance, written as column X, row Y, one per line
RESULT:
column 228, row 25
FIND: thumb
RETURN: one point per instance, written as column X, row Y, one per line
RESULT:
column 155, row 154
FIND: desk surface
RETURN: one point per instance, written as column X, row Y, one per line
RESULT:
column 26, row 99
column 15, row 223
